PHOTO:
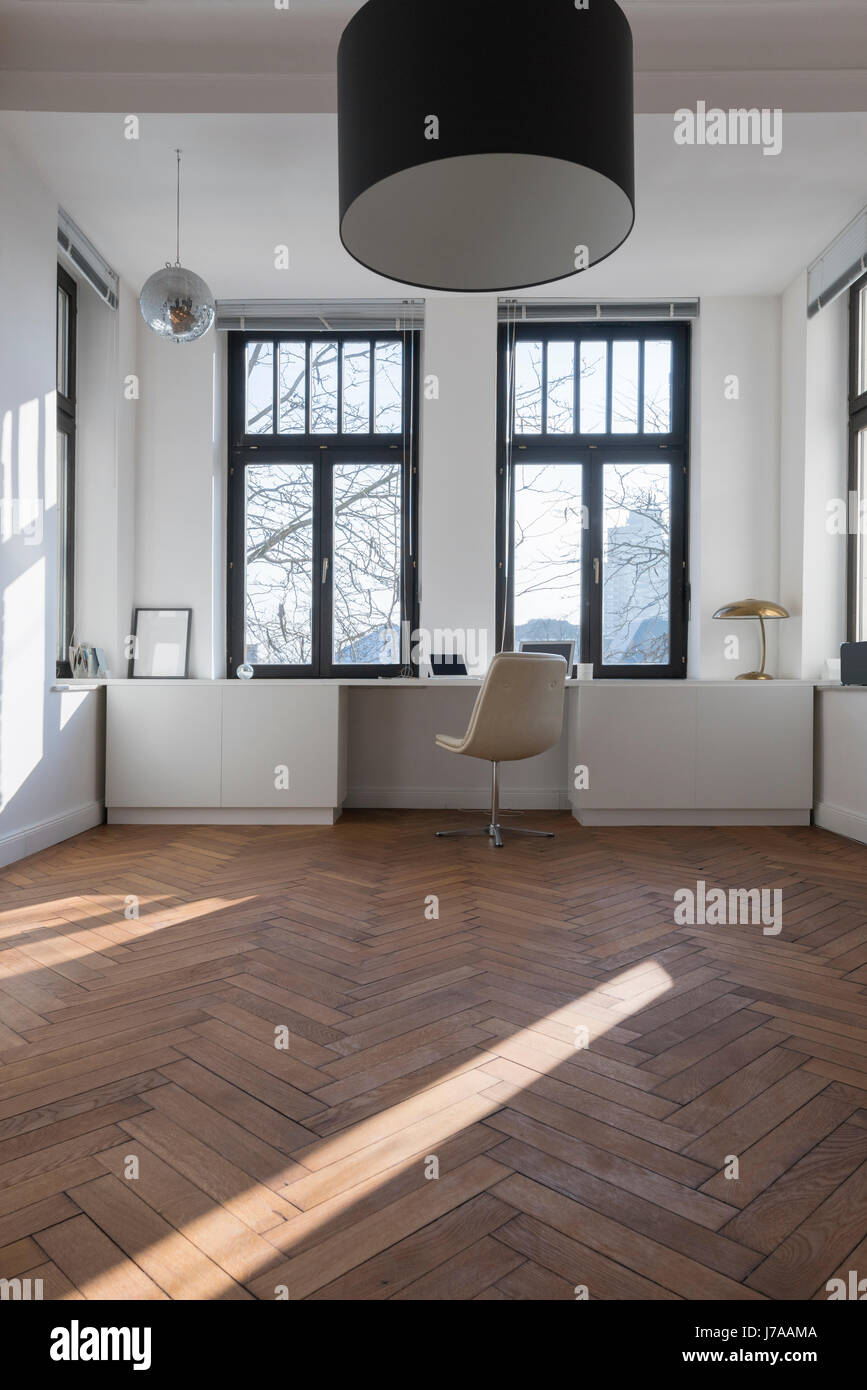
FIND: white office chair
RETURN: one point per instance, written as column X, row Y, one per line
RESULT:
column 518, row 714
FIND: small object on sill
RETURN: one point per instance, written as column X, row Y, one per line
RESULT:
column 831, row 671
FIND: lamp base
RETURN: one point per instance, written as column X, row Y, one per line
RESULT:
column 754, row 676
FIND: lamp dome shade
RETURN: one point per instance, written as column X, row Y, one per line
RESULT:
column 485, row 146
column 752, row 608
column 177, row 304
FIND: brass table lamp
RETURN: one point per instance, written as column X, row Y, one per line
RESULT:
column 754, row 608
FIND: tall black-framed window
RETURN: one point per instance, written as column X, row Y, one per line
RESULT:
column 857, row 580
column 66, row 387
column 592, row 487
column 323, row 481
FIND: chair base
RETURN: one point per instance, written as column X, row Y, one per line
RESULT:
column 496, row 833
column 493, row 829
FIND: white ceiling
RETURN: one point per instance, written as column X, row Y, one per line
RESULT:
column 709, row 220
column 244, row 55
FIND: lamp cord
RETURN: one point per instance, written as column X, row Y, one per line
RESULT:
column 508, row 459
column 178, row 214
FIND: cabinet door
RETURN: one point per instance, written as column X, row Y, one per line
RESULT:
column 638, row 745
column 163, row 745
column 755, row 747
column 281, row 745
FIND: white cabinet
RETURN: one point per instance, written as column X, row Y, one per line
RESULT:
column 225, row 752
column 163, row 745
column 633, row 743
column 281, row 747
column 692, row 753
column 754, row 746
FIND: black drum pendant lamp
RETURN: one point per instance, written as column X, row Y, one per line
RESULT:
column 485, row 144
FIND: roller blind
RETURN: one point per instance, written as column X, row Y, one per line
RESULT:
column 82, row 256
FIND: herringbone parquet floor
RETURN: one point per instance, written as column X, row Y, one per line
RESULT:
column 247, row 1090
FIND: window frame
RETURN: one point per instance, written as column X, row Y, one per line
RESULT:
column 323, row 451
column 593, row 451
column 66, row 425
column 857, row 402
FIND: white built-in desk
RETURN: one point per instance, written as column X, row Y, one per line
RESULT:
column 298, row 751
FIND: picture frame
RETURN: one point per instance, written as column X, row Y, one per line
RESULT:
column 160, row 648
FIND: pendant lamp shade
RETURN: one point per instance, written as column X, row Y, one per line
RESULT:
column 485, row 146
column 176, row 303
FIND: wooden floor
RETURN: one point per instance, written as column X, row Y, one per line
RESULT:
column 247, row 1090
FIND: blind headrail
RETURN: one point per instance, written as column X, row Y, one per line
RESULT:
column 584, row 311
column 319, row 315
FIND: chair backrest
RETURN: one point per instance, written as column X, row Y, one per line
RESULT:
column 519, row 709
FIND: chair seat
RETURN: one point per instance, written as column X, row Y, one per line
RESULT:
column 451, row 745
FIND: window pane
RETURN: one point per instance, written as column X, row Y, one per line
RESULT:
column 356, row 388
column 636, row 548
column 861, row 549
column 62, row 541
column 63, row 343
column 278, row 546
column 528, row 388
column 594, row 381
column 388, row 389
column 624, row 388
column 561, row 388
column 657, row 388
column 548, row 540
column 292, row 387
column 366, row 563
column 323, row 388
column 862, row 341
column 260, row 388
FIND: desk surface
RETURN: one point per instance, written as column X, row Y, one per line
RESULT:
column 438, row 682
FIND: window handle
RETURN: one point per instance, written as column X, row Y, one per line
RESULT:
column 325, row 569
column 596, row 570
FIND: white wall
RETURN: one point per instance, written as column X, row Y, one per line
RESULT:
column 793, row 469
column 180, row 503
column 50, row 743
column 736, row 459
column 458, row 480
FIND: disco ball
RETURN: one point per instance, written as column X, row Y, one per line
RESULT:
column 177, row 304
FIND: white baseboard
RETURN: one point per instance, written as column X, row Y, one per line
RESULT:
column 842, row 822
column 690, row 817
column 222, row 815
column 449, row 799
column 50, row 832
